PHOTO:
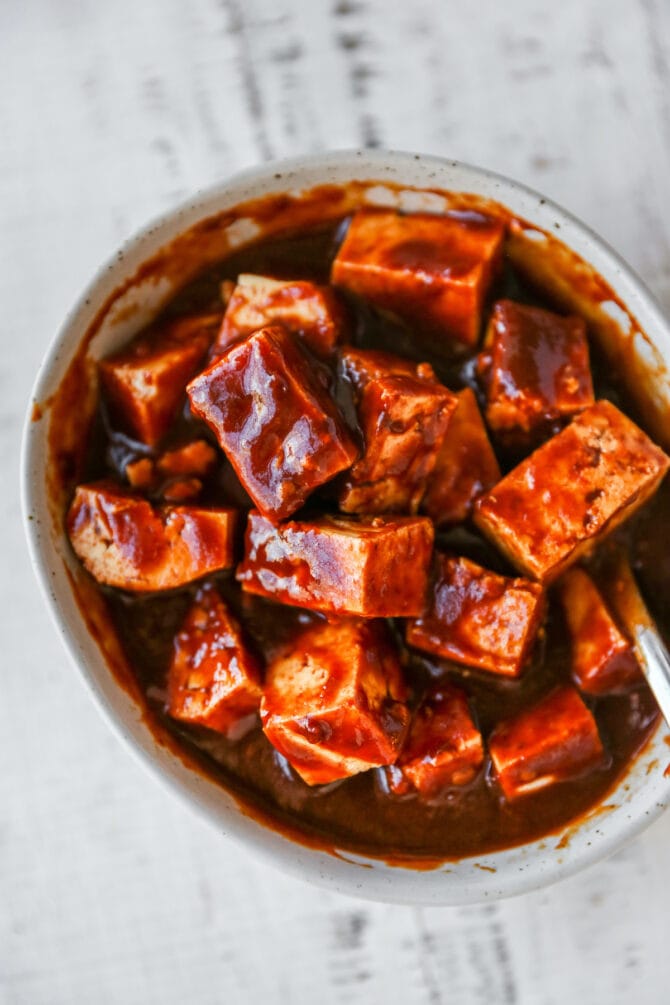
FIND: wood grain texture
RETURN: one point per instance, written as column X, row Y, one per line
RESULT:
column 109, row 891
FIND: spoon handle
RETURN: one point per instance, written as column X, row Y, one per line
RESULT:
column 655, row 662
column 650, row 649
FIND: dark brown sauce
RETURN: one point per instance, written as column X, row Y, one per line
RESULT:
column 357, row 814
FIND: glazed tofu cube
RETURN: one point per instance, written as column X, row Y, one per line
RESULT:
column 274, row 419
column 553, row 741
column 403, row 413
column 214, row 678
column 196, row 458
column 376, row 567
column 145, row 383
column 478, row 618
column 312, row 312
column 125, row 542
column 334, row 704
column 569, row 494
column 602, row 657
column 432, row 271
column 175, row 469
column 466, row 465
column 141, row 473
column 443, row 749
column 537, row 371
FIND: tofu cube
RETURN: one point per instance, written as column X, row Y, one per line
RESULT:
column 174, row 473
column 465, row 468
column 443, row 749
column 434, row 272
column 334, row 704
column 555, row 740
column 478, row 618
column 403, row 413
column 141, row 473
column 145, row 383
column 196, row 458
column 125, row 542
column 376, row 567
column 571, row 492
column 538, row 372
column 214, row 678
column 314, row 313
column 181, row 471
column 602, row 657
column 274, row 419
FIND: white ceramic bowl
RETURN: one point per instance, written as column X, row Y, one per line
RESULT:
column 126, row 293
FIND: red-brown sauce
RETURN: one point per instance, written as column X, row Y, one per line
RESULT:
column 358, row 814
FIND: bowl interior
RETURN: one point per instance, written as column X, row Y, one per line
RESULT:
column 578, row 269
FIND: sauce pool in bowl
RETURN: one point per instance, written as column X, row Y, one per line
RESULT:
column 358, row 816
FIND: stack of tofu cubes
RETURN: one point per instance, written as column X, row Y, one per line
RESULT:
column 343, row 515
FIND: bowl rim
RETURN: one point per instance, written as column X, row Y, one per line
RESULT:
column 343, row 871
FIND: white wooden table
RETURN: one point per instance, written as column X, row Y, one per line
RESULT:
column 110, row 892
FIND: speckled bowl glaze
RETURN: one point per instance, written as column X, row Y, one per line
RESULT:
column 125, row 294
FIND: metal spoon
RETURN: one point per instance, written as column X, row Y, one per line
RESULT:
column 651, row 652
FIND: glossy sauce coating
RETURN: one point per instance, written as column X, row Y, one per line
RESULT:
column 274, row 419
column 444, row 748
column 334, row 703
column 602, row 658
column 537, row 371
column 144, row 384
column 434, row 271
column 465, row 467
column 571, row 491
column 125, row 542
column 214, row 678
column 476, row 819
column 373, row 566
column 311, row 311
column 557, row 737
column 403, row 413
column 477, row 618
